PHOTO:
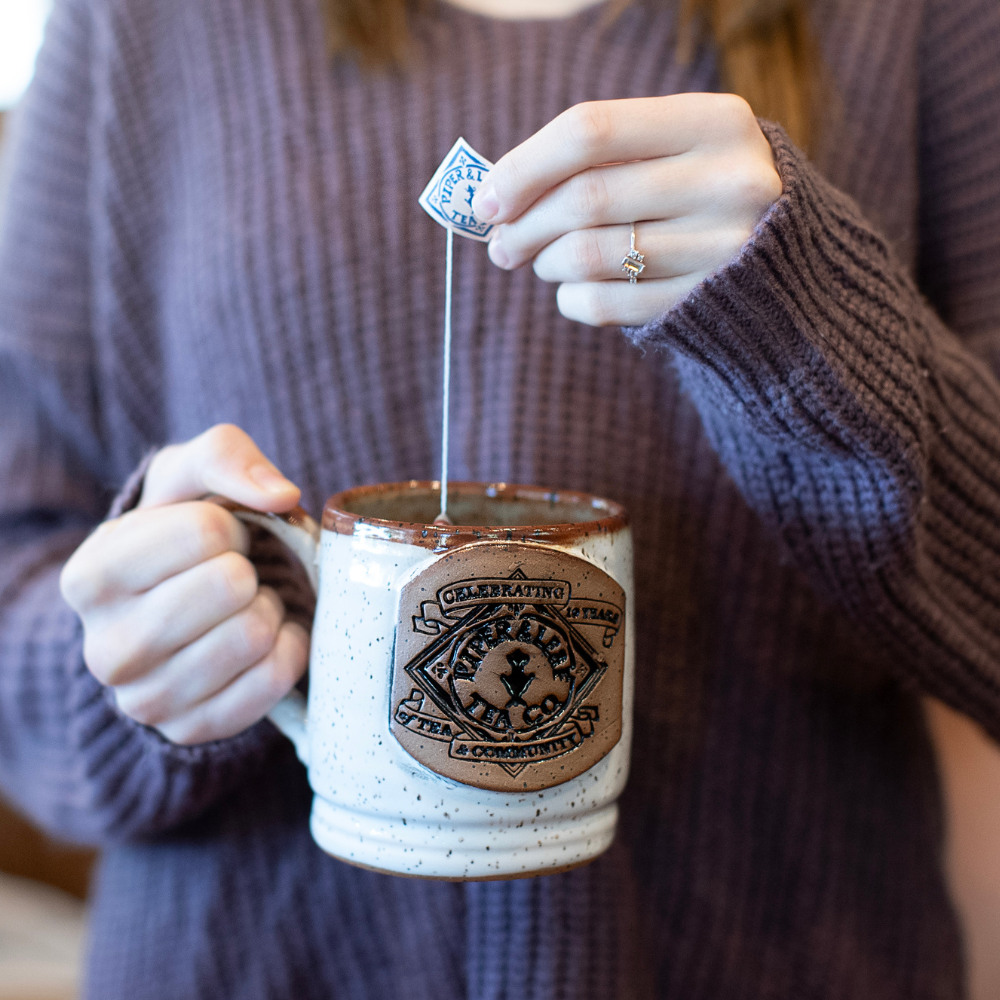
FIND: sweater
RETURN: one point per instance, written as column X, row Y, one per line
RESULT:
column 209, row 219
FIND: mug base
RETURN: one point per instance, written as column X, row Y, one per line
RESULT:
column 467, row 878
column 461, row 853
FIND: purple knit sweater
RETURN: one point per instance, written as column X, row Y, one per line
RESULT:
column 207, row 221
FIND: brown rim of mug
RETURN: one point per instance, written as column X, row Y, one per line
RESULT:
column 447, row 536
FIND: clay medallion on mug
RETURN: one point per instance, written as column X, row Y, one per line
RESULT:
column 508, row 666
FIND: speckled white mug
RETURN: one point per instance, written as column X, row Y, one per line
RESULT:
column 471, row 686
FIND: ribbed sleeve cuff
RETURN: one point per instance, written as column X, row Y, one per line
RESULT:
column 140, row 783
column 129, row 495
column 812, row 267
column 806, row 342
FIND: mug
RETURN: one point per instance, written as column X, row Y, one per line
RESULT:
column 470, row 688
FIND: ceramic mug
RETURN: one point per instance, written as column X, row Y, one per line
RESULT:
column 470, row 687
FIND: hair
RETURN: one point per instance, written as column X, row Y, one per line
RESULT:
column 767, row 53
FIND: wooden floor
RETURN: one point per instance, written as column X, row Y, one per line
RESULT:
column 42, row 916
column 27, row 853
column 970, row 782
column 42, row 932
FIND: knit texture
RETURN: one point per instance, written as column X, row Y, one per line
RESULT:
column 208, row 220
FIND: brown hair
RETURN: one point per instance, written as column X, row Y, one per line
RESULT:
column 767, row 54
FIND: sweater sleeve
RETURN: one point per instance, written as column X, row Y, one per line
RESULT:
column 68, row 758
column 858, row 425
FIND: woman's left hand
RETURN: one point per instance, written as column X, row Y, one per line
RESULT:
column 693, row 171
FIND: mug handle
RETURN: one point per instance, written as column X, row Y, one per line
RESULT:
column 301, row 534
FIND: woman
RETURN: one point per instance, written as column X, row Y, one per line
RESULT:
column 211, row 240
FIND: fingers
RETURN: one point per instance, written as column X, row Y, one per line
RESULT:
column 603, row 196
column 223, row 460
column 173, row 618
column 603, row 132
column 203, row 668
column 670, row 251
column 128, row 639
column 144, row 547
column 700, row 192
column 249, row 697
column 618, row 303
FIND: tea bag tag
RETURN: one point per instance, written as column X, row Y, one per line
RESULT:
column 447, row 199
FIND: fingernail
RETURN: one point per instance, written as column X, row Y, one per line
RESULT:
column 269, row 479
column 497, row 253
column 485, row 205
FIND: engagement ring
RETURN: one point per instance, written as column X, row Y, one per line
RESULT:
column 632, row 262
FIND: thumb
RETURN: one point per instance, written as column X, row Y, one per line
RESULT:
column 223, row 460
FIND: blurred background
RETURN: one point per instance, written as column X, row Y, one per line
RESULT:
column 43, row 885
column 21, row 25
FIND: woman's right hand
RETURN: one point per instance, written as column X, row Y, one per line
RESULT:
column 174, row 620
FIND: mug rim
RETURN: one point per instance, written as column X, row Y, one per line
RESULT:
column 445, row 536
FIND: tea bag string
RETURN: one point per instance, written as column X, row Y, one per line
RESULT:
column 447, row 199
column 446, row 376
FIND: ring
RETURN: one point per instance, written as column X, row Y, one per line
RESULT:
column 632, row 262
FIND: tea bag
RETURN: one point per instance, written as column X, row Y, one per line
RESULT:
column 447, row 199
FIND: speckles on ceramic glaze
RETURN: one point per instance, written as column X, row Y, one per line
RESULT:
column 407, row 845
column 375, row 805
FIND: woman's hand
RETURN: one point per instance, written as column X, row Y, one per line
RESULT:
column 693, row 171
column 174, row 621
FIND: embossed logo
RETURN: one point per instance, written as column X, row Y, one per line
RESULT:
column 508, row 666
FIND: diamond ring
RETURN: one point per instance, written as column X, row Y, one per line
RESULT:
column 632, row 262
